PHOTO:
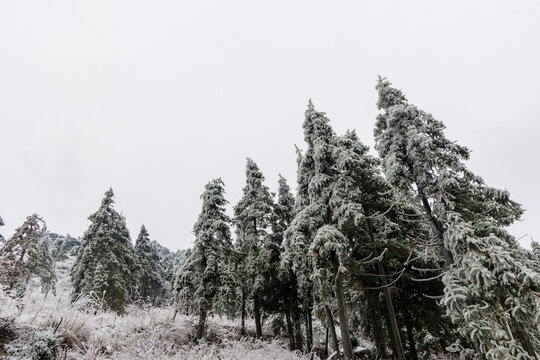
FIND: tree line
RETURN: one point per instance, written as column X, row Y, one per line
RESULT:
column 409, row 249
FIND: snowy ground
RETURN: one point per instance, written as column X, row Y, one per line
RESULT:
column 143, row 333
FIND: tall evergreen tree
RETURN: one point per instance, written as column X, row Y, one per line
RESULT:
column 314, row 228
column 151, row 283
column 489, row 284
column 204, row 268
column 300, row 233
column 283, row 216
column 106, row 264
column 253, row 218
column 340, row 192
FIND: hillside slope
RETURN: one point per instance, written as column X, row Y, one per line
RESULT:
column 52, row 326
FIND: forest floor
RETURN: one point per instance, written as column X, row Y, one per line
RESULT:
column 54, row 327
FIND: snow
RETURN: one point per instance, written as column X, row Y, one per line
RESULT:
column 142, row 333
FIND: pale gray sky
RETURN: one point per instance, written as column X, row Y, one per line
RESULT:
column 155, row 98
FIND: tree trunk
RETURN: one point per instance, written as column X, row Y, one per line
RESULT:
column 410, row 336
column 201, row 326
column 330, row 320
column 437, row 230
column 342, row 311
column 326, row 343
column 377, row 329
column 310, row 330
column 243, row 321
column 290, row 331
column 296, row 321
column 257, row 313
column 523, row 339
column 394, row 328
column 306, row 324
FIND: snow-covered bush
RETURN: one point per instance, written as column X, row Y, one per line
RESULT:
column 33, row 344
column 9, row 307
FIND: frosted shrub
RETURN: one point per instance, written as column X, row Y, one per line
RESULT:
column 9, row 307
column 33, row 345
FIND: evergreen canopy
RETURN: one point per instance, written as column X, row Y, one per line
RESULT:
column 106, row 265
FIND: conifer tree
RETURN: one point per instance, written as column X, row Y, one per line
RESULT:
column 170, row 262
column 203, row 270
column 62, row 246
column 489, row 284
column 314, row 230
column 184, row 287
column 300, row 233
column 253, row 216
column 151, row 283
column 42, row 266
column 227, row 299
column 340, row 188
column 21, row 253
column 106, row 264
column 283, row 216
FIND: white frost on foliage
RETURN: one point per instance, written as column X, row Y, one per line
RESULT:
column 141, row 333
column 9, row 306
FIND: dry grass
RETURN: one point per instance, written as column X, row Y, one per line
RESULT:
column 142, row 333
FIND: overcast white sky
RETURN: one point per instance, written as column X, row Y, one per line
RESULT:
column 155, row 98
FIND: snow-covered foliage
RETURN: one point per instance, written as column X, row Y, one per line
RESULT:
column 23, row 257
column 106, row 265
column 409, row 252
column 9, row 306
column 170, row 262
column 63, row 246
column 490, row 287
column 151, row 283
column 333, row 176
column 42, row 266
column 49, row 326
column 253, row 219
column 201, row 277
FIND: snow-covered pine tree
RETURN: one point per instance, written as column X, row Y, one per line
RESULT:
column 378, row 227
column 253, row 217
column 106, row 264
column 151, row 283
column 285, row 280
column 284, row 208
column 489, row 284
column 62, row 246
column 183, row 287
column 300, row 233
column 278, row 293
column 204, row 268
column 314, row 229
column 42, row 266
column 228, row 299
column 415, row 288
column 20, row 252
